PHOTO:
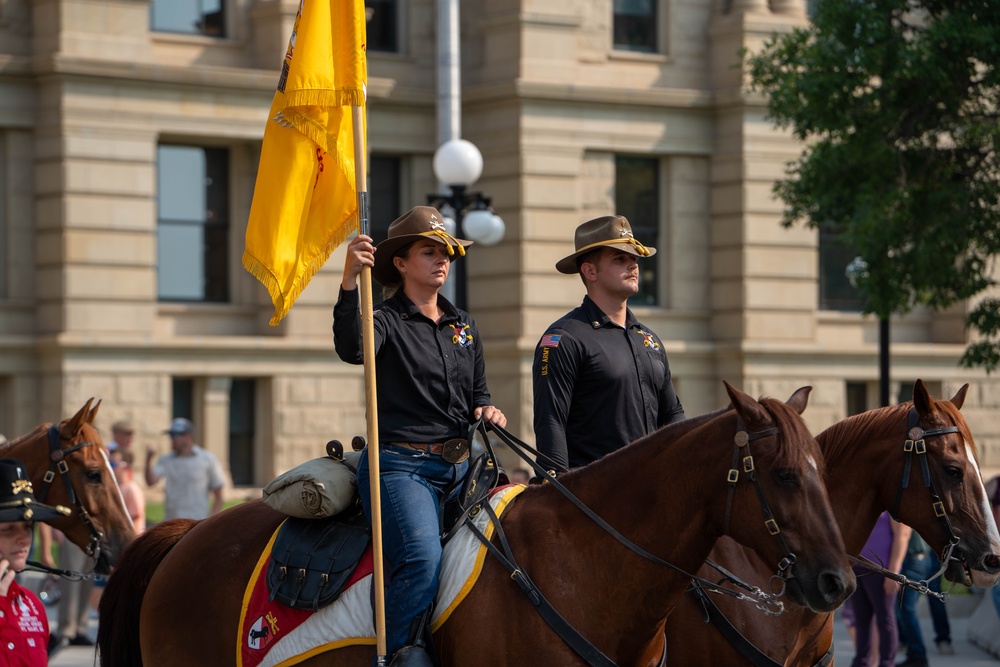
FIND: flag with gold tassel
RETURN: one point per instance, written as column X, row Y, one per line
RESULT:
column 305, row 199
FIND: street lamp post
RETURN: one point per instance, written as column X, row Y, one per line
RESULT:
column 457, row 165
column 855, row 270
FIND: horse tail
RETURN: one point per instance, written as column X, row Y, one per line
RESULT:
column 118, row 629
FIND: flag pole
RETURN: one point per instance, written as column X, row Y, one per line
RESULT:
column 371, row 400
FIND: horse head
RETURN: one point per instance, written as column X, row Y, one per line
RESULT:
column 775, row 450
column 941, row 485
column 68, row 466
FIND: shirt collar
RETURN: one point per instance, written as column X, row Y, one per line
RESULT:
column 598, row 319
column 407, row 309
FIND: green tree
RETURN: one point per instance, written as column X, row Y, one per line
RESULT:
column 897, row 104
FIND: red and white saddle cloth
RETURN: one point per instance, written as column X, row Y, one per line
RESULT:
column 273, row 635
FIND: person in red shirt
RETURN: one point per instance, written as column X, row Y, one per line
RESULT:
column 24, row 628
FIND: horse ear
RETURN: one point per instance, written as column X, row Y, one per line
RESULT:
column 746, row 407
column 76, row 422
column 922, row 400
column 958, row 400
column 799, row 399
column 93, row 413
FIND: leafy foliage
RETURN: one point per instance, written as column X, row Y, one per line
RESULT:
column 898, row 103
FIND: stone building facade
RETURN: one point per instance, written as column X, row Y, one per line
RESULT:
column 119, row 280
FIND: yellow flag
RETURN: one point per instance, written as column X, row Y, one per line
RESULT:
column 305, row 200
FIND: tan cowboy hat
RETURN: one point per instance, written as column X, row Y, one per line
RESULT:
column 610, row 231
column 420, row 222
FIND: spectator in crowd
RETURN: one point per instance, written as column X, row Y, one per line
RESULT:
column 192, row 475
column 24, row 626
column 74, row 599
column 920, row 564
column 519, row 476
column 874, row 597
column 122, row 433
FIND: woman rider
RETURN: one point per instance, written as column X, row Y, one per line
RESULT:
column 431, row 385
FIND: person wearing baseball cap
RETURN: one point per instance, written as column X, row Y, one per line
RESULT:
column 24, row 625
column 431, row 387
column 601, row 378
column 192, row 474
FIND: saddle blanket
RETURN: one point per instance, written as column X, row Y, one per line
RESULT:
column 274, row 635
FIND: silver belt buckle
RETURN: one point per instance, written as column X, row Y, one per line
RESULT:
column 455, row 450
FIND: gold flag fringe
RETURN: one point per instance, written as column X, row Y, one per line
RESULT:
column 283, row 302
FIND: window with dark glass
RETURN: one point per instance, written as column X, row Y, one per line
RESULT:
column 192, row 209
column 241, row 431
column 635, row 25
column 857, row 398
column 835, row 289
column 193, row 17
column 383, row 25
column 182, row 398
column 637, row 197
column 385, row 182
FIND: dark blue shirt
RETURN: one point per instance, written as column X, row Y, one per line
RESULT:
column 431, row 376
column 598, row 386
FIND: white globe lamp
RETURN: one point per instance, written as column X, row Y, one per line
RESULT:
column 458, row 162
column 483, row 226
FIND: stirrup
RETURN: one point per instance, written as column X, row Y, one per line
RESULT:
column 411, row 656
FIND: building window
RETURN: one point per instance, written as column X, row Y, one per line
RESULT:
column 635, row 25
column 385, row 187
column 835, row 289
column 857, row 398
column 182, row 398
column 637, row 181
column 192, row 17
column 242, row 418
column 383, row 25
column 193, row 223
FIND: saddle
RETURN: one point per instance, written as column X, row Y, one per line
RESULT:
column 483, row 476
column 311, row 559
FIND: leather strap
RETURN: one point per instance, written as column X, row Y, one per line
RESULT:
column 741, row 644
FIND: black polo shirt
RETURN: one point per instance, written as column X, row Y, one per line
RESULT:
column 598, row 386
column 430, row 377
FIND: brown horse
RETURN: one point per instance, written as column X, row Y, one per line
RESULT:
column 176, row 598
column 865, row 463
column 73, row 455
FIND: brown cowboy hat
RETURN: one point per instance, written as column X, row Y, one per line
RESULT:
column 17, row 503
column 420, row 222
column 609, row 231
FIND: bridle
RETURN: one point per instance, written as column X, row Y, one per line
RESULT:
column 57, row 464
column 916, row 445
column 741, row 449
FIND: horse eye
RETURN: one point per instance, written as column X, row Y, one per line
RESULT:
column 94, row 475
column 955, row 472
column 787, row 477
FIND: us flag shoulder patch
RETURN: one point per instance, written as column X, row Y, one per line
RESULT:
column 549, row 340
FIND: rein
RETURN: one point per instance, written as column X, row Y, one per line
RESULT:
column 761, row 600
column 57, row 464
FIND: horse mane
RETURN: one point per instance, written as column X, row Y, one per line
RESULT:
column 793, row 430
column 955, row 414
column 839, row 439
column 668, row 432
column 118, row 633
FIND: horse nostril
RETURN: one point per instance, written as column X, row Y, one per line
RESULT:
column 832, row 586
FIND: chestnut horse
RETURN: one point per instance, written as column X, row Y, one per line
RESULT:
column 176, row 597
column 865, row 464
column 72, row 454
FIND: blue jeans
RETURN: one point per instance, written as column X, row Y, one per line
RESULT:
column 919, row 569
column 413, row 485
